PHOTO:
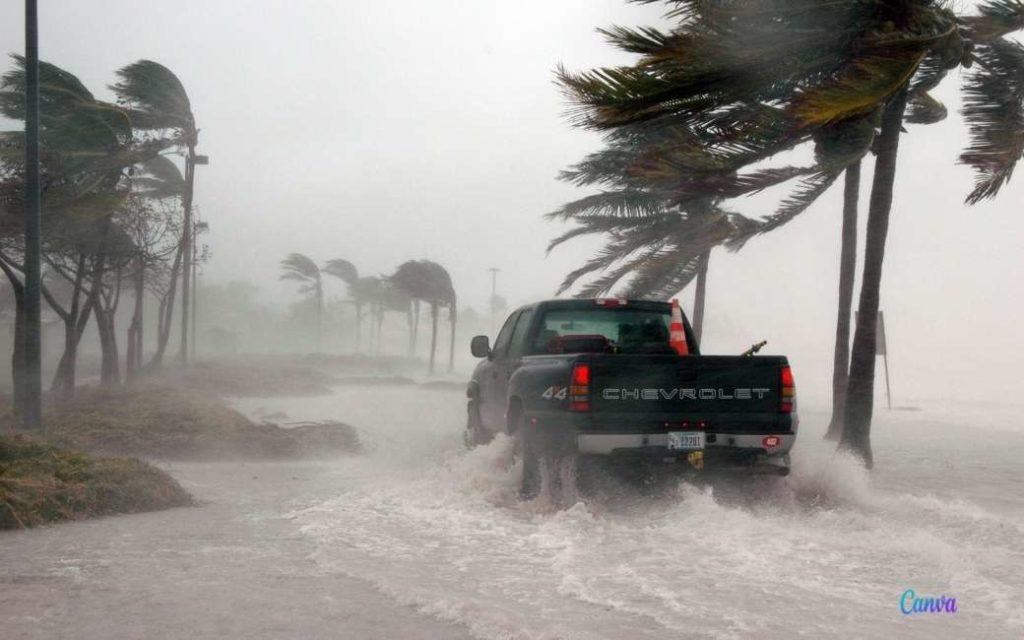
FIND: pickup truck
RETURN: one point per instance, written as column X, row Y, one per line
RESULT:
column 601, row 378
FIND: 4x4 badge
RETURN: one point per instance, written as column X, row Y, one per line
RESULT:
column 558, row 393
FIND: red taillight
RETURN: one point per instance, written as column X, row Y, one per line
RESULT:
column 579, row 388
column 787, row 377
column 770, row 442
column 788, row 400
column 611, row 302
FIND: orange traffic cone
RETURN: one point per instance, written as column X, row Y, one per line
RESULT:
column 677, row 335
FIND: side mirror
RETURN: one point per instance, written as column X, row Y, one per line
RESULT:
column 480, row 346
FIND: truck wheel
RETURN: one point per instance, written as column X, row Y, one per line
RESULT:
column 475, row 434
column 529, row 483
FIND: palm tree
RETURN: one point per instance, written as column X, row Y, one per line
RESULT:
column 349, row 274
column 86, row 146
column 994, row 113
column 429, row 282
column 157, row 101
column 302, row 269
column 817, row 66
column 660, row 232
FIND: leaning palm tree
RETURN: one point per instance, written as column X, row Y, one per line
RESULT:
column 428, row 282
column 86, row 147
column 820, row 65
column 349, row 274
column 302, row 269
column 157, row 101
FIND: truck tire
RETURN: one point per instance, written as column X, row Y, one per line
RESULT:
column 530, row 480
column 475, row 434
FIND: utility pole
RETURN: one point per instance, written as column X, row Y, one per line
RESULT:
column 32, row 332
column 195, row 283
column 197, row 228
column 494, row 296
column 188, row 239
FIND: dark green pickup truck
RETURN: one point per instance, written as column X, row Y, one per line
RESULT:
column 600, row 378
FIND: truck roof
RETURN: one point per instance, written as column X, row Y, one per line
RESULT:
column 586, row 303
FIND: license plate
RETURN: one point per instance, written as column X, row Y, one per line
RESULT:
column 686, row 440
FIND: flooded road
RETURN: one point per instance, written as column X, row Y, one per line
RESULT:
column 417, row 538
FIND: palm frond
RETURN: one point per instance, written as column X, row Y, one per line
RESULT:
column 156, row 98
column 994, row 111
column 299, row 267
column 158, row 178
column 342, row 269
column 664, row 274
column 995, row 19
column 806, row 193
column 857, row 89
column 922, row 108
column 624, row 203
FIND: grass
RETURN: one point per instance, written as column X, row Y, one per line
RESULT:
column 165, row 423
column 41, row 483
column 248, row 377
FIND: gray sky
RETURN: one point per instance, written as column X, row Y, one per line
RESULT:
column 380, row 132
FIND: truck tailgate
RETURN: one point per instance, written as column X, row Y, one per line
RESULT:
column 725, row 393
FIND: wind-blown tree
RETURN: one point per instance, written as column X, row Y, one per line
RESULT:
column 657, row 235
column 303, row 270
column 819, row 65
column 152, row 228
column 385, row 296
column 428, row 282
column 160, row 181
column 157, row 102
column 86, row 147
column 349, row 274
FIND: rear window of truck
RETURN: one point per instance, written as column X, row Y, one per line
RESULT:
column 603, row 331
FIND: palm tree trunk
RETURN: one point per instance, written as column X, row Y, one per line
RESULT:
column 409, row 321
column 380, row 327
column 433, row 332
column 415, row 326
column 319, row 313
column 847, row 273
column 856, row 436
column 359, row 326
column 452, row 317
column 699, row 295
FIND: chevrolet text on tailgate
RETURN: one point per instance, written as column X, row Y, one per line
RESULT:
column 626, row 379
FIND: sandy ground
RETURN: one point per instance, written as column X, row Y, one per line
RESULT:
column 232, row 568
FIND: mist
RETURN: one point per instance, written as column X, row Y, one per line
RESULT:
column 390, row 132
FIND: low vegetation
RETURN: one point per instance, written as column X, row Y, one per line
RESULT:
column 41, row 483
column 162, row 423
column 249, row 377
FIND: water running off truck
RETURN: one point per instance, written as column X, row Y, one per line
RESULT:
column 624, row 379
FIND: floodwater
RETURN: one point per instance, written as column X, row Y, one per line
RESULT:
column 418, row 538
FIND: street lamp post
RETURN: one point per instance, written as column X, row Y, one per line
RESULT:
column 32, row 329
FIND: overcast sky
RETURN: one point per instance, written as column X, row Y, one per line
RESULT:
column 384, row 131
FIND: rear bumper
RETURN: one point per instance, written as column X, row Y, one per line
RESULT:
column 654, row 443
